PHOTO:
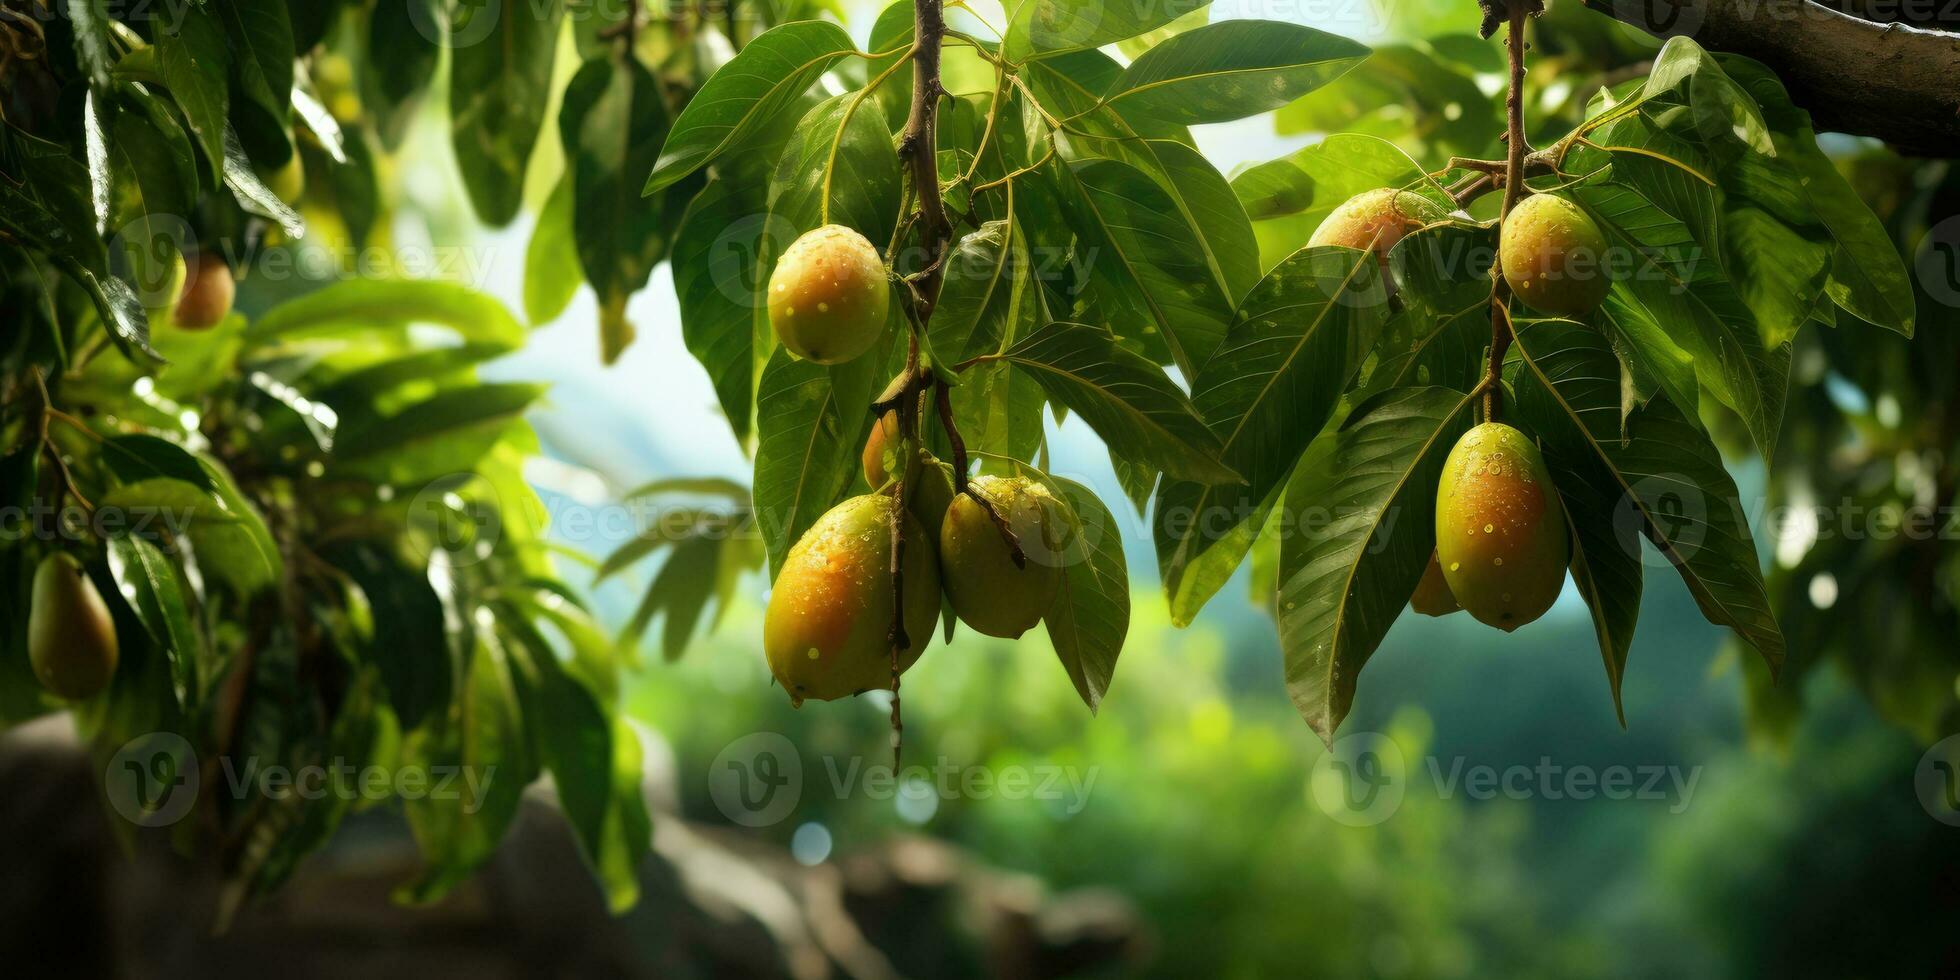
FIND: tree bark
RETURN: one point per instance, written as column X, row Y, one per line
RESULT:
column 1897, row 83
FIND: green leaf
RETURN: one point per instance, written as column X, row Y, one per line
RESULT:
column 1361, row 528
column 474, row 316
column 1663, row 475
column 94, row 40
column 499, row 88
column 415, row 661
column 368, row 437
column 195, row 60
column 252, row 194
column 767, row 77
column 230, row 539
column 679, row 593
column 154, row 587
column 1091, row 614
column 981, row 295
column 402, row 60
column 1297, row 343
column 1868, row 276
column 551, row 265
column 862, row 180
column 1049, row 27
column 810, row 428
column 1675, row 296
column 1232, row 69
column 1151, row 280
column 718, row 281
column 1318, row 178
column 612, row 124
column 1128, row 401
column 260, row 34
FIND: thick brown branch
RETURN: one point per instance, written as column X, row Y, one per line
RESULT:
column 1890, row 81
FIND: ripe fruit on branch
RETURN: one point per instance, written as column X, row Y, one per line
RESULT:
column 828, row 296
column 988, row 592
column 71, row 639
column 827, row 628
column 1433, row 596
column 1501, row 537
column 208, row 293
column 1376, row 219
column 1554, row 256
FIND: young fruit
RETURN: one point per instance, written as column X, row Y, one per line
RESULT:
column 208, row 292
column 988, row 592
column 828, row 296
column 1433, row 596
column 1500, row 532
column 1376, row 219
column 880, row 449
column 71, row 640
column 1553, row 256
column 828, row 620
column 933, row 494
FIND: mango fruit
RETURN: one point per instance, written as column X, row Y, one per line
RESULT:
column 1554, row 256
column 829, row 296
column 1433, row 596
column 1501, row 536
column 1376, row 219
column 988, row 592
column 829, row 618
column 208, row 293
column 71, row 638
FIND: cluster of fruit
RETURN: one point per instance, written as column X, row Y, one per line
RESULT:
column 994, row 545
column 1502, row 542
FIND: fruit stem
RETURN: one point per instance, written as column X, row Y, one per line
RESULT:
column 961, row 485
column 1515, row 150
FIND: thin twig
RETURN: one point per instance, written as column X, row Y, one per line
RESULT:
column 1514, row 164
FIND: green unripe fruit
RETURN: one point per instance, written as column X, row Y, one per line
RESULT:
column 160, row 285
column 1376, row 219
column 1433, row 596
column 208, row 293
column 1554, row 256
column 988, row 592
column 71, row 639
column 829, row 618
column 828, row 296
column 932, row 496
column 1500, row 532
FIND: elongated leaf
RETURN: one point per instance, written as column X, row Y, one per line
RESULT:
column 498, row 91
column 1361, row 508
column 260, row 34
column 194, row 60
column 612, row 124
column 1050, row 27
column 1157, row 287
column 153, row 586
column 767, row 77
column 1091, row 613
column 415, row 660
column 94, row 40
column 1676, row 288
column 718, row 280
column 252, row 194
column 1232, row 69
column 1130, row 403
column 551, row 268
column 810, row 427
column 1297, row 343
column 366, row 436
column 1663, row 474
column 402, row 58
column 861, row 182
column 365, row 302
column 231, row 540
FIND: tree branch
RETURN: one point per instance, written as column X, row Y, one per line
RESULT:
column 1889, row 81
column 1515, row 151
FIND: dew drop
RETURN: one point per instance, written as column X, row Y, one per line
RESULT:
column 1455, row 565
column 1497, row 561
column 1489, row 528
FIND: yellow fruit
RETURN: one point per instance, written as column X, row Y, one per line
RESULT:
column 1376, row 219
column 208, row 293
column 1433, row 596
column 159, row 285
column 1554, row 256
column 880, row 448
column 1500, row 532
column 71, row 640
column 288, row 183
column 988, row 592
column 830, row 615
column 828, row 296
